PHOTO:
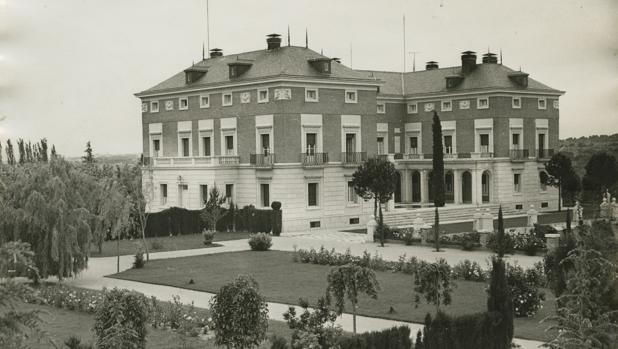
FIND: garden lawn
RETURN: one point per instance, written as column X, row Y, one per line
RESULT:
column 165, row 243
column 60, row 324
column 284, row 281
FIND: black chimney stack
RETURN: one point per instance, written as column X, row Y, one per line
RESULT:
column 490, row 58
column 273, row 41
column 216, row 52
column 431, row 65
column 468, row 62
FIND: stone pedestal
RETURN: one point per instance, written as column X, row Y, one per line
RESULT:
column 606, row 210
column 476, row 220
column 484, row 237
column 533, row 216
column 371, row 228
column 552, row 241
column 486, row 222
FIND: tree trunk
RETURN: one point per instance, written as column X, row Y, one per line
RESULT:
column 117, row 254
column 354, row 318
column 375, row 207
column 381, row 225
column 560, row 196
column 144, row 223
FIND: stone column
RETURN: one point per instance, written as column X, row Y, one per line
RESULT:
column 477, row 194
column 424, row 187
column 371, row 228
column 457, row 186
column 406, row 188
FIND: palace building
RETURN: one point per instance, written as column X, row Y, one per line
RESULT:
column 288, row 124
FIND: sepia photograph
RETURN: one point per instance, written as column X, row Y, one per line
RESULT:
column 308, row 174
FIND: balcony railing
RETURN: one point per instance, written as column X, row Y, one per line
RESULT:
column 228, row 160
column 398, row 156
column 544, row 154
column 353, row 158
column 413, row 156
column 464, row 155
column 519, row 154
column 177, row 161
column 313, row 159
column 262, row 160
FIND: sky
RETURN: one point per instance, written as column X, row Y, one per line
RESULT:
column 69, row 68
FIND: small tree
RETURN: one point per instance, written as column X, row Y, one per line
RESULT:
column 561, row 175
column 320, row 322
column 213, row 212
column 376, row 179
column 437, row 174
column 601, row 174
column 350, row 281
column 239, row 314
column 500, row 305
column 433, row 282
column 120, row 320
column 10, row 153
column 89, row 157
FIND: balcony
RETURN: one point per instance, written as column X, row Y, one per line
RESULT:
column 353, row 158
column 520, row 154
column 228, row 160
column 311, row 159
column 177, row 161
column 413, row 156
column 544, row 154
column 262, row 160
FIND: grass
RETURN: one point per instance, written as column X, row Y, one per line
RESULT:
column 60, row 324
column 281, row 280
column 165, row 243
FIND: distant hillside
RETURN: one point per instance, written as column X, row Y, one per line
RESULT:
column 112, row 159
column 582, row 148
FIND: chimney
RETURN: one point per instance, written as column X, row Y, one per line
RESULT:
column 273, row 41
column 468, row 62
column 216, row 52
column 490, row 58
column 431, row 65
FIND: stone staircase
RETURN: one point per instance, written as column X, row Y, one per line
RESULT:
column 400, row 217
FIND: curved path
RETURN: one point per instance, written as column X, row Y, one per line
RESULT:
column 98, row 268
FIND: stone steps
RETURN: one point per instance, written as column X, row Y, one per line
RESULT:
column 463, row 213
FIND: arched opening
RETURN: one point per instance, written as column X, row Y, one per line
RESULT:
column 416, row 186
column 430, row 186
column 485, row 182
column 449, row 187
column 466, row 187
column 398, row 187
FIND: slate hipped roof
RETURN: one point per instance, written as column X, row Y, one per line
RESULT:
column 293, row 62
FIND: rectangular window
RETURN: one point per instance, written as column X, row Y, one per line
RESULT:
column 314, row 224
column 517, row 102
column 397, row 142
column 352, row 197
column 263, row 96
column 312, row 194
column 448, row 144
column 542, row 103
column 351, row 96
column 156, row 147
column 185, row 146
column 412, row 108
column 227, row 99
column 204, row 101
column 203, row 194
column 515, row 141
column 154, row 106
column 311, row 141
column 354, row 220
column 229, row 193
column 517, row 182
column 311, row 95
column 183, row 103
column 484, row 143
column 447, row 106
column 183, row 195
column 381, row 148
column 229, row 145
column 482, row 103
column 413, row 145
column 265, row 140
column 163, row 194
column 381, row 108
column 265, row 194
column 206, row 145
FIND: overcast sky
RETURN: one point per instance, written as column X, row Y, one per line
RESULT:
column 69, row 68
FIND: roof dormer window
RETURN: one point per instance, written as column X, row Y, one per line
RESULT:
column 519, row 78
column 195, row 73
column 322, row 65
column 238, row 67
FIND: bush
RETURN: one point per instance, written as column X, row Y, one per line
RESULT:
column 530, row 243
column 509, row 246
column 209, row 236
column 391, row 338
column 278, row 343
column 120, row 320
column 75, row 342
column 276, row 205
column 468, row 241
column 406, row 235
column 260, row 242
column 139, row 263
column 540, row 230
column 470, row 331
column 469, row 271
column 525, row 289
column 156, row 245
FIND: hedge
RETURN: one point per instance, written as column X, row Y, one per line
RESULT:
column 470, row 331
column 180, row 221
column 391, row 338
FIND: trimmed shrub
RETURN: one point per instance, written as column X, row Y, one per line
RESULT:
column 120, row 320
column 469, row 271
column 406, row 235
column 260, row 242
column 75, row 342
column 138, row 262
column 525, row 288
column 275, row 205
column 209, row 236
column 391, row 338
column 509, row 246
column 156, row 245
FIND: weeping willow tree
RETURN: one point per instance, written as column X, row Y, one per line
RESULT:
column 55, row 207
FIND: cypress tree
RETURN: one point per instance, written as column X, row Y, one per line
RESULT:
column 0, row 153
column 500, row 306
column 500, row 243
column 10, row 154
column 44, row 150
column 21, row 151
column 436, row 230
column 54, row 155
column 437, row 175
column 88, row 158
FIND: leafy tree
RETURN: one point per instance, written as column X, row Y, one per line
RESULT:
column 89, row 157
column 601, row 174
column 376, row 179
column 239, row 314
column 500, row 305
column 351, row 280
column 561, row 175
column 583, row 319
column 433, row 282
column 553, row 263
column 320, row 322
column 437, row 174
column 10, row 154
column 213, row 212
